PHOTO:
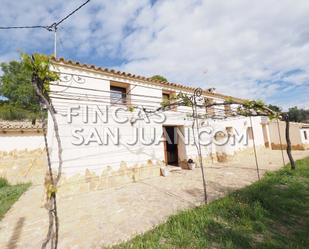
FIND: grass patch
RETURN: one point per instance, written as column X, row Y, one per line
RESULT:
column 269, row 214
column 9, row 194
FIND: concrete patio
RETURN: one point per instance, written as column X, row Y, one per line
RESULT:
column 101, row 218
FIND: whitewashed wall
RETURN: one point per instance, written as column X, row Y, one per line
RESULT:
column 21, row 141
column 242, row 141
column 96, row 157
column 295, row 134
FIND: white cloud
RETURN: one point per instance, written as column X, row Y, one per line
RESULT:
column 297, row 78
column 237, row 43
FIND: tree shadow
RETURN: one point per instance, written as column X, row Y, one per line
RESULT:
column 214, row 190
column 12, row 244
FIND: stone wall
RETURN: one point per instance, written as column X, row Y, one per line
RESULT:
column 19, row 166
column 30, row 166
column 109, row 178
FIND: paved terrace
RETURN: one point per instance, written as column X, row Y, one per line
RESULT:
column 100, row 218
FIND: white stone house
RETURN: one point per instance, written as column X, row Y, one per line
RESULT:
column 299, row 135
column 94, row 103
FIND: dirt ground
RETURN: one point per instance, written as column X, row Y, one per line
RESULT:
column 100, row 218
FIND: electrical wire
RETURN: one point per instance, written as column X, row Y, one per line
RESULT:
column 51, row 27
column 25, row 27
column 108, row 91
column 73, row 12
column 106, row 100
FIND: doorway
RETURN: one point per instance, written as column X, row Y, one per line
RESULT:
column 170, row 145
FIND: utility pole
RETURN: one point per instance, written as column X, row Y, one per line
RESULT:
column 55, row 42
column 53, row 28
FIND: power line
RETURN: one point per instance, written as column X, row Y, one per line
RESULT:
column 26, row 27
column 52, row 28
column 47, row 27
column 219, row 113
column 106, row 100
column 74, row 11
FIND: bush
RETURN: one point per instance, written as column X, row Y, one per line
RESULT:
column 3, row 182
column 159, row 78
column 10, row 112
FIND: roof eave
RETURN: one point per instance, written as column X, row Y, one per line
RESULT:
column 142, row 79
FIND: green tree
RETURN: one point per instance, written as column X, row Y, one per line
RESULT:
column 275, row 108
column 15, row 85
column 159, row 78
column 298, row 115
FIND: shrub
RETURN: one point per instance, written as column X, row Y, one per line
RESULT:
column 3, row 182
column 11, row 112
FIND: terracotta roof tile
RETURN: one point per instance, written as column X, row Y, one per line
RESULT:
column 19, row 125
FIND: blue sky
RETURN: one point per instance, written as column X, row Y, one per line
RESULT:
column 250, row 49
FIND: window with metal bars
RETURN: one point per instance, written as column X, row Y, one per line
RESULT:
column 118, row 95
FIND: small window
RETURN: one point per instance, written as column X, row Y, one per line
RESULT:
column 210, row 111
column 165, row 96
column 305, row 135
column 227, row 110
column 118, row 95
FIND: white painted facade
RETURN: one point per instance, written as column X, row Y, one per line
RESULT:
column 298, row 134
column 97, row 157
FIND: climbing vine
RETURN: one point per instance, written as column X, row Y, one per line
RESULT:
column 42, row 76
